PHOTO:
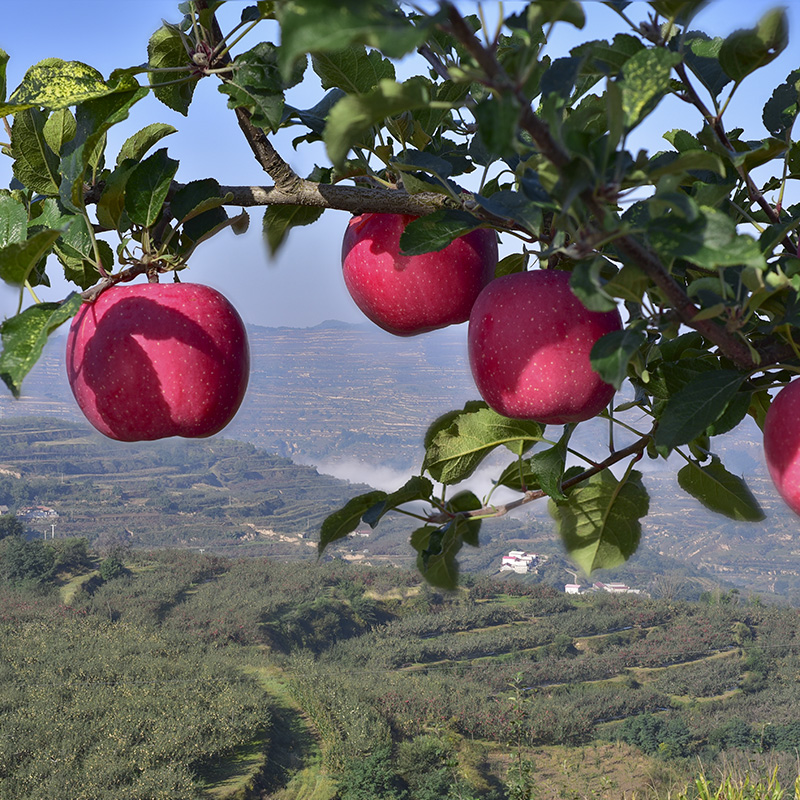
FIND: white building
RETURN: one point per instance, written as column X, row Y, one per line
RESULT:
column 572, row 588
column 518, row 561
column 616, row 588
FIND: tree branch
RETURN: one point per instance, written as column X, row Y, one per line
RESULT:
column 644, row 258
column 356, row 199
column 266, row 155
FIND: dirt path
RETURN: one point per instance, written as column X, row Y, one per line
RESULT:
column 289, row 767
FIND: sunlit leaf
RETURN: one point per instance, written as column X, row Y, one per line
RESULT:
column 25, row 335
column 353, row 116
column 352, row 69
column 137, row 145
column 175, row 86
column 454, row 452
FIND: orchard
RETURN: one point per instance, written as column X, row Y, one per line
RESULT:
column 656, row 289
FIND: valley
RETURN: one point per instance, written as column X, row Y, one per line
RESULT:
column 352, row 401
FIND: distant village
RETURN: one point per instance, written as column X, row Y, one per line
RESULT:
column 32, row 512
column 521, row 562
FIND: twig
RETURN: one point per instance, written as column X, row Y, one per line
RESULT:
column 635, row 449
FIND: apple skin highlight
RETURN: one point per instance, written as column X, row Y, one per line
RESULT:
column 529, row 342
column 408, row 295
column 148, row 361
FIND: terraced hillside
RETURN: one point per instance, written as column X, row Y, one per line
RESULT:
column 176, row 492
column 372, row 679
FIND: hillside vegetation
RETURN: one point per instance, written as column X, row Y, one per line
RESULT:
column 170, row 678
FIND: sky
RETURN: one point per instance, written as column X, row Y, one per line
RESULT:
column 303, row 285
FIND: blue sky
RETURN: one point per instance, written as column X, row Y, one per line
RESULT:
column 303, row 286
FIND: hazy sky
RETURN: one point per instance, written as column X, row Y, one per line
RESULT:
column 303, row 286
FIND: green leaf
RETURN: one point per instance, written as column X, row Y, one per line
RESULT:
column 744, row 51
column 437, row 548
column 207, row 224
column 415, row 489
column 54, row 83
column 13, row 220
column 681, row 11
column 35, row 164
column 18, row 259
column 514, row 262
column 353, row 69
column 709, row 241
column 781, row 110
column 257, row 85
column 75, row 251
column 549, row 11
column 25, row 335
column 166, row 50
column 110, row 207
column 692, row 409
column 94, row 119
column 280, row 219
column 316, row 26
column 645, row 77
column 702, row 58
column 469, row 526
column 793, row 160
column 669, row 377
column 720, row 491
column 599, row 521
column 195, row 198
column 548, row 465
column 515, row 206
column 611, row 353
column 734, row 413
column 353, row 116
column 588, row 285
column 520, row 476
column 497, row 119
column 137, row 145
column 436, row 231
column 148, row 186
column 59, row 129
column 454, row 452
column 337, row 525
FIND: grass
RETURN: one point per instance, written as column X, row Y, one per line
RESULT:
column 72, row 586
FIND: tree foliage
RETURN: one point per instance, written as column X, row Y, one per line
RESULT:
column 697, row 241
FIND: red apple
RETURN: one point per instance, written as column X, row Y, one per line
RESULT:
column 406, row 295
column 529, row 342
column 782, row 443
column 151, row 360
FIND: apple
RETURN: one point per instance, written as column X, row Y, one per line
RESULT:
column 407, row 295
column 152, row 360
column 529, row 341
column 782, row 443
